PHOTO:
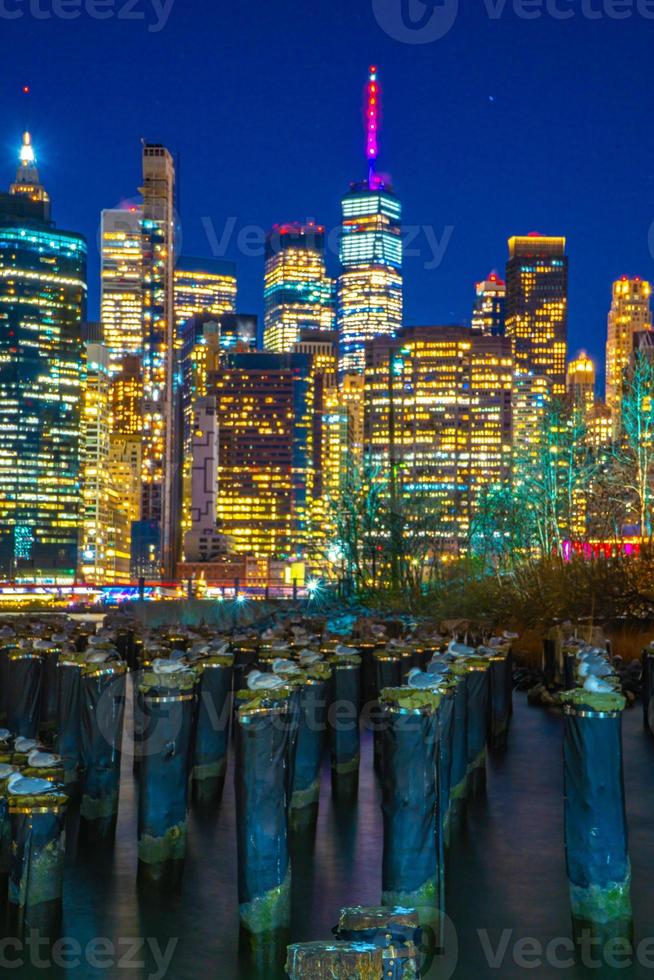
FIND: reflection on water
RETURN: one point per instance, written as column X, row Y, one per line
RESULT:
column 506, row 871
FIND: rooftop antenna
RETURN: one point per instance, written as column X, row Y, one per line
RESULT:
column 372, row 123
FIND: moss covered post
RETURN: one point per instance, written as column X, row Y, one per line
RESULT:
column 261, row 782
column 599, row 871
column 102, row 714
column 168, row 703
column 37, row 864
column 212, row 729
column 410, row 870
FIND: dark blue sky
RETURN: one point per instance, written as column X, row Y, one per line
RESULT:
column 502, row 126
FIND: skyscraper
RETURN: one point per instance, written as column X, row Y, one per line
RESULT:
column 630, row 313
column 42, row 305
column 370, row 284
column 265, row 418
column 203, row 542
column 580, row 382
column 106, row 517
column 489, row 314
column 28, row 183
column 438, row 421
column 160, row 428
column 127, row 397
column 121, row 273
column 537, row 306
column 203, row 286
column 532, row 395
column 298, row 293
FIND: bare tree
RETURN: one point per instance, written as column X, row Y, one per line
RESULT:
column 633, row 453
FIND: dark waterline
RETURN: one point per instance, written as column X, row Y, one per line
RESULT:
column 506, row 871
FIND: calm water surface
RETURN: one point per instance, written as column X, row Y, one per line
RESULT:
column 506, row 874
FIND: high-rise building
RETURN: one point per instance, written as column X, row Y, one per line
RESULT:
column 125, row 462
column 532, row 395
column 42, row 306
column 205, row 340
column 265, row 418
column 537, row 306
column 298, row 293
column 203, row 542
column 352, row 390
column 599, row 425
column 203, row 286
column 106, row 520
column 121, row 271
column 489, row 314
column 127, row 396
column 330, row 432
column 438, row 421
column 370, row 284
column 630, row 314
column 580, row 382
column 322, row 345
column 160, row 493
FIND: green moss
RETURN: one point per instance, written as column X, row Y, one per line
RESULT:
column 602, row 905
column 345, row 768
column 479, row 762
column 54, row 774
column 270, row 911
column 459, row 791
column 424, row 900
column 350, row 660
column 319, row 672
column 610, row 701
column 306, row 797
column 106, row 806
column 41, row 876
column 293, row 680
column 182, row 681
column 170, row 847
column 210, row 770
column 410, row 699
column 37, row 801
column 247, row 700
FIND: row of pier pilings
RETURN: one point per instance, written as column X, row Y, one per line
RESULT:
column 431, row 739
column 434, row 707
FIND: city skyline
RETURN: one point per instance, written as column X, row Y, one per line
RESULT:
column 229, row 169
column 257, row 237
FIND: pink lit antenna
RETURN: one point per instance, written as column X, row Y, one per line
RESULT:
column 372, row 120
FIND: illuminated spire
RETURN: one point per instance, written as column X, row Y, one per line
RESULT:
column 27, row 176
column 27, row 172
column 27, row 151
column 373, row 103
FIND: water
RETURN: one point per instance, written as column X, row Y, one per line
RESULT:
column 506, row 872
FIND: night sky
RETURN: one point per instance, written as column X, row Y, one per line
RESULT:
column 503, row 126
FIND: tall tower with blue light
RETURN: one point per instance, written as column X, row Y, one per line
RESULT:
column 370, row 284
column 42, row 306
